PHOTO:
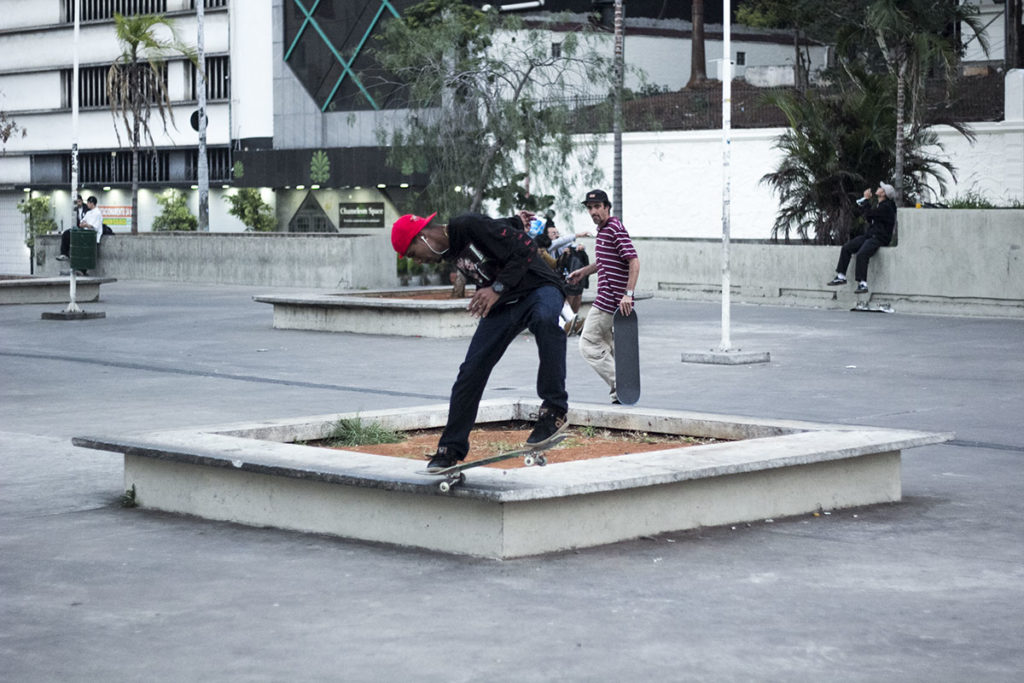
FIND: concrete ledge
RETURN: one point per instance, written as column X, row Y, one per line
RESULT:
column 372, row 312
column 253, row 474
column 362, row 312
column 50, row 290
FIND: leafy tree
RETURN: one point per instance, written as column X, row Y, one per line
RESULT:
column 137, row 85
column 839, row 143
column 248, row 206
column 175, row 214
column 913, row 39
column 8, row 127
column 818, row 20
column 38, row 218
column 484, row 92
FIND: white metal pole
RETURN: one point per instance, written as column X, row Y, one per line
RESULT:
column 72, row 283
column 74, row 110
column 204, row 168
column 726, row 168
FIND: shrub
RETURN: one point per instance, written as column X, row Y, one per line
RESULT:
column 175, row 214
column 38, row 218
column 248, row 206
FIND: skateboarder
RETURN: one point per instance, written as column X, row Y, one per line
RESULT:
column 881, row 222
column 617, row 268
column 515, row 290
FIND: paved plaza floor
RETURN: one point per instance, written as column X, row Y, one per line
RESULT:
column 930, row 589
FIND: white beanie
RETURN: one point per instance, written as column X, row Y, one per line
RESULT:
column 890, row 191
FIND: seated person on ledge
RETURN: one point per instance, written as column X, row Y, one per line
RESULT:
column 881, row 222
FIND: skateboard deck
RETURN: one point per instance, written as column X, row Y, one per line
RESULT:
column 627, row 358
column 532, row 455
column 865, row 308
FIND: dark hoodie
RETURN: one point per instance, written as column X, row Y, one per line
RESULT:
column 881, row 219
column 486, row 250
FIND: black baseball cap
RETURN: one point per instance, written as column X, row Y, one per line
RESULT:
column 597, row 196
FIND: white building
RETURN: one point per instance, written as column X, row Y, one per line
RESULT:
column 36, row 55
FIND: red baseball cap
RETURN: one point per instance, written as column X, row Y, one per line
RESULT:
column 405, row 229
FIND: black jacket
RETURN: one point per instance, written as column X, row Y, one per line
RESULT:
column 881, row 219
column 486, row 250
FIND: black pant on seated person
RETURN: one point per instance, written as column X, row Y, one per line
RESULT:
column 864, row 247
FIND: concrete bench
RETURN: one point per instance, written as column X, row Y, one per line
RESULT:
column 49, row 290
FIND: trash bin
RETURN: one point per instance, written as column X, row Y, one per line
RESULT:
column 83, row 249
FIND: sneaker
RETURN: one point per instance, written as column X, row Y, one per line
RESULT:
column 549, row 425
column 836, row 281
column 614, row 397
column 442, row 460
column 570, row 325
column 62, row 257
column 862, row 288
column 577, row 326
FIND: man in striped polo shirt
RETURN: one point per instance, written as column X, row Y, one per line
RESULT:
column 617, row 268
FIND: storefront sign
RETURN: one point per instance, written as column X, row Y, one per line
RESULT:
column 117, row 218
column 361, row 215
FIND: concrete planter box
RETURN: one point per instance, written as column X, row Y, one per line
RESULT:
column 256, row 474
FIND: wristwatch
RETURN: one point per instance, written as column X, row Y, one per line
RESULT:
column 498, row 287
column 629, row 293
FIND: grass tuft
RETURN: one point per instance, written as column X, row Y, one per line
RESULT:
column 352, row 432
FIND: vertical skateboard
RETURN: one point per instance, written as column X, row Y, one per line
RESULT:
column 627, row 358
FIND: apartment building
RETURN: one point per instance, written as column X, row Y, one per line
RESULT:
column 37, row 53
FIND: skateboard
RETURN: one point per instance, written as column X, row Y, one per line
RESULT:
column 532, row 455
column 627, row 358
column 865, row 308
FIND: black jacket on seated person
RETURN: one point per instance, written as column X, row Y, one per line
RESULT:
column 881, row 219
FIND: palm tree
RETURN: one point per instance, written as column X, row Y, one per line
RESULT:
column 698, row 64
column 839, row 143
column 914, row 37
column 137, row 84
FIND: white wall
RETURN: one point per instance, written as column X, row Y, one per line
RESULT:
column 672, row 181
column 24, row 13
column 252, row 69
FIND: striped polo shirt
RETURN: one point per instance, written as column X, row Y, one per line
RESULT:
column 614, row 250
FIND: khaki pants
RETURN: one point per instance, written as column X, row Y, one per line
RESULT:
column 597, row 345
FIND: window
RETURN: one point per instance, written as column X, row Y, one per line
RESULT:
column 94, row 10
column 741, row 58
column 92, row 86
column 218, row 78
column 116, row 167
column 556, row 50
column 218, row 161
column 310, row 217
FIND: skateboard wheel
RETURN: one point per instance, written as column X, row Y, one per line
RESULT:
column 529, row 461
column 541, row 460
column 444, row 487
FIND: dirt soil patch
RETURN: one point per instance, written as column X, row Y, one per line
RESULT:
column 418, row 295
column 583, row 443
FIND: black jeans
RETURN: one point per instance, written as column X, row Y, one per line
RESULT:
column 537, row 311
column 864, row 247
